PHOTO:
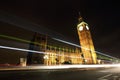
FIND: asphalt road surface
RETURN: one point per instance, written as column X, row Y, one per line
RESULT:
column 65, row 74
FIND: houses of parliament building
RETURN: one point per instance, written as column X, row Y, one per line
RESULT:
column 43, row 49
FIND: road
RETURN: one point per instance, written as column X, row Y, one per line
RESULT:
column 64, row 74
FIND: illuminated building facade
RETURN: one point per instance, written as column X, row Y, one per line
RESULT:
column 55, row 53
column 86, row 42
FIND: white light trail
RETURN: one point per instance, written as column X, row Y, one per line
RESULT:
column 60, row 67
column 66, row 42
column 33, row 51
column 81, row 47
column 19, row 49
column 76, row 66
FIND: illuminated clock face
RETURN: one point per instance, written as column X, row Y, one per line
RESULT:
column 87, row 27
column 80, row 28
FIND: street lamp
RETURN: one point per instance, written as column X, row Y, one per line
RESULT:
column 46, row 59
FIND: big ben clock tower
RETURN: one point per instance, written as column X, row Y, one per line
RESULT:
column 86, row 42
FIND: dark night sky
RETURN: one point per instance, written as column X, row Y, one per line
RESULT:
column 62, row 16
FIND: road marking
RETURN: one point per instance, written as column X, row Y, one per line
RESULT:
column 103, row 77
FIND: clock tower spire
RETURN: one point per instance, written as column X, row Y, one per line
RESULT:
column 80, row 19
